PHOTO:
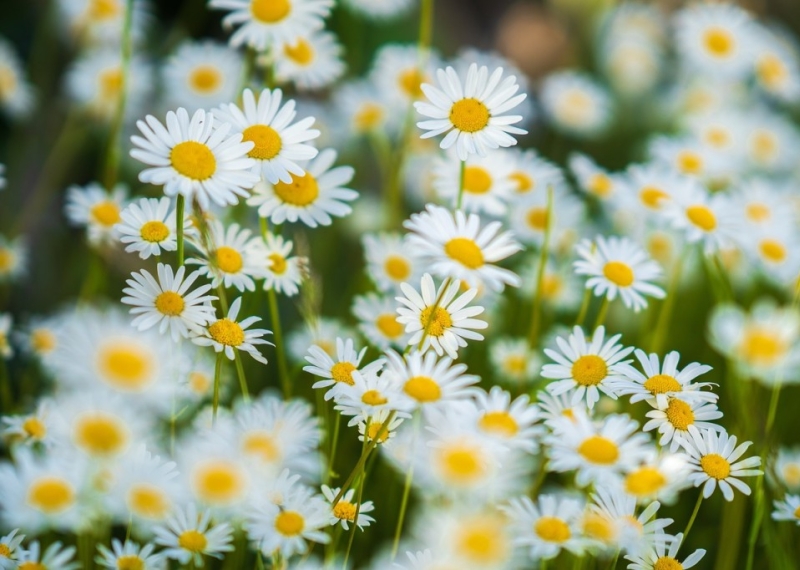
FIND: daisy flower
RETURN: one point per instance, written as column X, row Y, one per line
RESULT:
column 344, row 511
column 321, row 332
column 531, row 215
column 201, row 75
column 546, row 527
column 128, row 555
column 362, row 109
column 6, row 351
column 619, row 266
column 514, row 361
column 593, row 179
column 147, row 226
column 678, row 418
column 787, row 468
column 786, row 510
column 487, row 184
column 312, row 197
column 371, row 427
column 55, row 557
column 455, row 245
column 651, row 186
column 233, row 256
column 531, row 173
column 586, row 369
column 96, row 210
column 311, row 61
column 283, row 273
column 389, row 261
column 227, row 334
column 370, row 396
column 658, row 556
column 279, row 143
column 661, row 476
column 776, row 68
column 473, row 115
column 168, row 303
column 437, row 318
column 713, row 461
column 575, row 103
column 32, row 428
column 13, row 258
column 189, row 536
column 338, row 371
column 378, row 321
column 428, row 380
column 9, row 545
column 509, row 422
column 195, row 159
column 399, row 71
column 16, row 94
column 101, row 22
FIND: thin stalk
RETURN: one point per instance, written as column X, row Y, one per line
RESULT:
column 406, row 490
column 601, row 315
column 773, row 407
column 461, row 175
column 694, row 516
column 665, row 313
column 334, row 445
column 217, row 377
column 242, row 378
column 179, row 208
column 425, row 29
column 280, row 347
column 536, row 317
column 362, row 481
column 587, row 297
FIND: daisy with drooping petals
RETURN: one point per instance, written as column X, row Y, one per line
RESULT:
column 473, row 115
column 339, row 371
column 147, row 226
column 233, row 256
column 587, row 369
column 279, row 144
column 554, row 522
column 311, row 61
column 713, row 461
column 283, row 273
column 344, row 511
column 658, row 557
column 619, row 266
column 201, row 75
column 378, row 321
column 129, row 555
column 456, row 246
column 428, row 380
column 168, row 302
column 788, row 509
column 678, row 419
column 189, row 535
column 194, row 158
column 99, row 211
column 226, row 334
column 438, row 319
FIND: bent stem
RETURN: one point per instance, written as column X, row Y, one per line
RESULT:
column 217, row 374
column 361, row 482
column 537, row 297
column 280, row 348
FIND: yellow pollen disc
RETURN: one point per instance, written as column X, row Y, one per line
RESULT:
column 599, row 450
column 8, row 81
column 465, row 251
column 661, row 384
column 619, row 273
column 199, row 382
column 193, row 541
column 435, row 323
column 125, row 367
column 552, row 529
column 302, row 53
column 270, row 11
column 100, row 434
column 772, row 250
column 218, row 482
column 34, row 428
column 765, row 145
column 343, row 372
column 652, row 197
column 598, row 527
column 552, row 285
column 667, row 563
column 600, row 185
column 154, row 231
column 169, row 303
column 660, row 247
column 205, row 79
column 644, row 482
column 524, row 183
column 575, row 107
column 228, row 259
column 130, row 562
column 469, row 115
column 715, row 466
column 302, row 191
column 757, row 212
column 103, row 9
column 702, row 217
column 262, row 445
column 719, row 42
column 267, row 140
column 411, row 81
column 791, row 474
column 771, row 71
column 290, row 523
column 389, row 326
column 373, row 431
column 345, row 511
column 51, row 495
column 397, row 267
column 110, row 81
column 5, row 551
column 761, row 347
column 373, row 398
column 477, row 180
column 148, row 501
column 368, row 117
column 423, row 389
column 797, row 513
column 717, row 137
column 193, row 160
column 483, row 543
column 537, row 219
column 680, row 414
column 690, row 163
column 105, row 213
column 227, row 332
column 462, row 464
column 589, row 370
column 6, row 260
column 31, row 566
column 499, row 423
column 278, row 265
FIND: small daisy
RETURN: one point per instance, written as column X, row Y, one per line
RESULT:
column 786, row 510
column 56, row 557
column 322, row 332
column 13, row 258
column 787, row 468
column 168, row 303
column 362, row 108
column 371, row 427
column 279, row 144
column 776, row 68
column 344, row 511
column 713, row 461
column 9, row 545
column 6, row 321
column 129, row 555
column 531, row 173
column 487, row 183
column 338, row 371
column 370, row 396
column 514, row 361
column 437, row 318
column 509, row 422
column 312, row 197
column 378, row 321
column 456, row 246
column 651, row 186
column 227, row 334
column 658, row 557
column 630, row 532
column 16, row 94
column 389, row 261
column 311, row 61
column 147, row 226
column 96, row 210
column 201, row 75
column 547, row 526
column 30, row 429
column 283, row 273
column 189, row 536
column 574, row 103
column 472, row 115
column 233, row 257
column 619, row 266
column 399, row 71
column 532, row 215
column 678, row 419
column 195, row 159
column 428, row 380
column 661, row 476
column 588, row 369
column 593, row 179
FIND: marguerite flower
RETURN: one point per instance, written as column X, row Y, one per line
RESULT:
column 514, row 360
column 129, row 555
column 389, row 261
column 487, row 183
column 13, row 258
column 233, row 256
column 575, row 103
column 311, row 61
column 678, row 418
column 97, row 210
column 148, row 227
column 226, row 334
column 378, row 321
column 9, row 545
column 344, row 510
column 788, row 509
column 56, row 557
column 427, row 380
column 370, row 396
column 283, row 273
column 201, row 75
column 339, row 371
column 189, row 535
column 547, row 526
column 657, row 556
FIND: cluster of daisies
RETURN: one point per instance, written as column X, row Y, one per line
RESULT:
column 128, row 429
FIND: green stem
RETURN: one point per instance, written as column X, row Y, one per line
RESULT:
column 432, row 316
column 280, row 347
column 179, row 215
column 334, row 445
column 694, row 516
column 242, row 378
column 773, row 407
column 665, row 314
column 406, row 489
column 537, row 297
column 362, row 481
column 425, row 28
column 601, row 314
column 461, row 174
column 217, row 378
column 587, row 297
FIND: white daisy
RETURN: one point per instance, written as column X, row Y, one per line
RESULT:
column 532, row 173
column 575, row 103
column 96, row 210
column 428, row 380
column 201, row 75
column 31, row 428
column 532, row 215
column 16, row 94
column 369, row 428
column 487, row 183
column 9, row 545
column 55, row 557
column 509, row 422
column 338, row 371
column 705, row 218
column 678, row 419
column 389, row 261
column 148, row 226
column 787, row 468
column 226, row 334
column 657, row 556
column 661, row 476
column 547, row 526
column 322, row 332
column 13, row 258
column 189, row 536
column 129, row 555
column 630, row 532
column 344, row 511
column 399, row 71
column 283, row 273
column 788, row 509
column 234, row 257
column 593, row 179
column 311, row 61
column 514, row 361
column 371, row 396
column 378, row 321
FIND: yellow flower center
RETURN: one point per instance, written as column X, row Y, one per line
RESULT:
column 600, row 185
column 477, row 180
column 598, row 527
column 690, row 162
column 110, row 81
column 169, row 303
column 389, row 326
column 772, row 250
column 148, row 501
column 373, row 398
column 103, row 9
column 193, row 541
column 791, row 474
column 599, row 450
column 765, row 145
column 100, row 434
column 524, row 182
column 715, row 466
column 5, row 551
column 499, row 423
column 797, row 513
column 227, row 332
column 228, row 259
column 462, row 464
column 397, row 267
column 205, row 79
column 702, row 217
column 270, row 11
column 154, row 231
column 483, row 542
column 757, row 212
column 717, row 137
column 193, row 160
column 31, row 566
column 719, row 42
column 8, row 81
column 199, row 382
column 575, row 108
column 34, row 428
column 652, row 197
column 680, row 414
column 268, row 142
column 469, row 115
column 667, row 563
column 435, row 323
column 51, row 495
column 6, row 260
column 771, row 71
column 660, row 247
column 552, row 529
column 661, row 384
column 130, row 562
column 262, row 445
column 761, row 347
column 537, row 218
column 589, row 370
column 369, row 116
column 218, row 482
column 345, row 511
column 290, row 523
column 343, row 372
column 105, row 213
column 644, row 482
column 125, row 367
column 423, row 389
column 374, row 429
column 465, row 251
column 302, row 191
column 411, row 81
column 278, row 263
column 515, row 364
column 302, row 53
column 619, row 273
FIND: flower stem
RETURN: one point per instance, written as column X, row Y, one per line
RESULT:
column 425, row 28
column 665, row 313
column 406, row 489
column 242, row 378
column 461, row 174
column 5, row 387
column 536, row 317
column 217, row 374
column 694, row 516
column 587, row 297
column 361, row 482
column 334, row 444
column 179, row 225
column 280, row 347
column 601, row 314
